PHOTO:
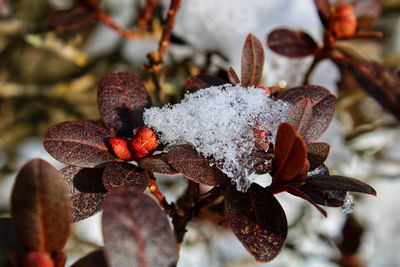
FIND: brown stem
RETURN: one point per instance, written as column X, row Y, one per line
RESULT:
column 154, row 189
column 146, row 13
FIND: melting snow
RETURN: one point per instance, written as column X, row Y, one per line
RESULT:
column 219, row 122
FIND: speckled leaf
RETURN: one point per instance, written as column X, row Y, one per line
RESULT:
column 86, row 190
column 136, row 231
column 252, row 61
column 78, row 143
column 123, row 175
column 121, row 99
column 323, row 8
column 8, row 241
column 157, row 163
column 291, row 43
column 201, row 81
column 194, row 166
column 300, row 116
column 377, row 81
column 93, row 259
column 317, row 153
column 339, row 183
column 40, row 207
column 258, row 221
column 323, row 103
column 290, row 154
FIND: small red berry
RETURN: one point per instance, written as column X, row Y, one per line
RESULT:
column 119, row 146
column 37, row 259
column 344, row 24
column 143, row 143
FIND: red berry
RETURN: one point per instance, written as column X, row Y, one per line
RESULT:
column 143, row 143
column 119, row 146
column 344, row 24
column 37, row 259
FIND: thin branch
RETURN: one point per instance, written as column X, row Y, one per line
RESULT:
column 146, row 13
column 154, row 189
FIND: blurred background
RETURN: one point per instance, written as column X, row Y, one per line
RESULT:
column 48, row 76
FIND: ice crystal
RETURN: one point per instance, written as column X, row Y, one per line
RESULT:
column 219, row 122
column 348, row 205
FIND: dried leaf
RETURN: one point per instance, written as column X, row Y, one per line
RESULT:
column 291, row 43
column 86, row 190
column 200, row 81
column 93, row 259
column 339, row 183
column 123, row 175
column 157, row 163
column 317, row 153
column 323, row 103
column 194, row 166
column 77, row 143
column 252, row 61
column 40, row 207
column 122, row 98
column 258, row 221
column 8, row 241
column 290, row 154
column 136, row 231
column 324, row 11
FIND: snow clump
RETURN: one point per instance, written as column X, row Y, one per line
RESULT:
column 219, row 122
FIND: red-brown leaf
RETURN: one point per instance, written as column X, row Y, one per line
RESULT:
column 300, row 116
column 86, row 190
column 122, row 98
column 8, row 242
column 258, row 221
column 200, row 81
column 77, row 143
column 123, row 175
column 317, row 153
column 93, row 259
column 324, row 11
column 291, row 43
column 252, row 61
column 339, row 183
column 290, row 154
column 40, row 208
column 157, row 163
column 194, row 166
column 136, row 231
column 323, row 103
column 367, row 12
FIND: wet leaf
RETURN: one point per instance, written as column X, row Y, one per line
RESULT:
column 123, row 175
column 136, row 231
column 93, row 259
column 200, row 81
column 40, row 207
column 8, row 241
column 86, row 190
column 323, row 103
column 122, row 98
column 258, row 221
column 324, row 197
column 157, row 163
column 339, row 183
column 252, row 61
column 323, row 8
column 291, row 43
column 378, row 82
column 194, row 166
column 78, row 143
column 290, row 154
column 317, row 153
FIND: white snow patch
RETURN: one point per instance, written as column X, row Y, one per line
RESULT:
column 219, row 122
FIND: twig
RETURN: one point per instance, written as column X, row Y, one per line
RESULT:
column 153, row 186
column 146, row 13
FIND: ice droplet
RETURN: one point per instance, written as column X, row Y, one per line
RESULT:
column 348, row 205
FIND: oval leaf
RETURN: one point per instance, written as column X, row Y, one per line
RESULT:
column 324, row 197
column 93, row 259
column 194, row 166
column 136, row 231
column 77, row 143
column 252, row 61
column 317, row 153
column 323, row 103
column 8, row 242
column 157, row 163
column 258, row 221
column 40, row 207
column 86, row 190
column 300, row 116
column 339, row 183
column 201, row 81
column 290, row 154
column 121, row 99
column 123, row 175
column 291, row 43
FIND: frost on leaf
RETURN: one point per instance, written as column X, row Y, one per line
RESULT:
column 220, row 122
